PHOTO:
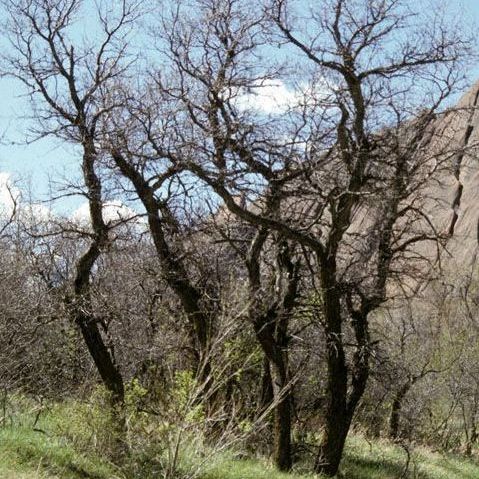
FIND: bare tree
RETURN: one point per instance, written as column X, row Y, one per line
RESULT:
column 157, row 182
column 345, row 47
column 338, row 179
column 273, row 284
column 70, row 87
column 347, row 165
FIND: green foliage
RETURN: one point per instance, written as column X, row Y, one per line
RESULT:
column 184, row 395
column 165, row 432
column 90, row 426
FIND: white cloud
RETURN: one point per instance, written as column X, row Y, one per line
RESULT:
column 12, row 201
column 33, row 213
column 274, row 97
column 268, row 96
column 9, row 194
column 113, row 212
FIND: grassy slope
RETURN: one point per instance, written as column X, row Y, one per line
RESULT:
column 382, row 460
column 25, row 454
column 364, row 460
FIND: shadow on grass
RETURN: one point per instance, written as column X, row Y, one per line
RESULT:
column 369, row 468
column 453, row 470
column 362, row 468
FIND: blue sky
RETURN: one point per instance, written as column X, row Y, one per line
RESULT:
column 47, row 159
column 31, row 164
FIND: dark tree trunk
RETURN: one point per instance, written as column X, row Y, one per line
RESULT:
column 337, row 417
column 102, row 357
column 396, row 407
column 266, row 397
column 332, row 445
column 336, row 420
column 271, row 329
column 82, row 310
column 282, row 416
column 340, row 406
column 277, row 357
column 197, row 307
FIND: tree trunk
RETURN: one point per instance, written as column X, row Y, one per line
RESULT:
column 340, row 405
column 82, row 307
column 337, row 419
column 102, row 357
column 275, row 393
column 87, row 323
column 281, row 388
column 195, row 304
column 105, row 364
column 282, row 417
column 266, row 398
column 340, row 408
column 394, row 419
column 271, row 329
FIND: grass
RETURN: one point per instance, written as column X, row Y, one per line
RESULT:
column 58, row 451
column 227, row 468
column 383, row 460
column 363, row 460
column 27, row 454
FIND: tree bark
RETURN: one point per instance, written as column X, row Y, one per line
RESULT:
column 194, row 303
column 340, row 406
column 337, row 419
column 282, row 417
column 101, row 355
column 82, row 308
column 281, row 389
column 266, row 398
column 271, row 329
column 394, row 419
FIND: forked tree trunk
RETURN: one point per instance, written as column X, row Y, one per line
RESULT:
column 281, row 402
column 340, row 410
column 271, row 329
column 340, row 404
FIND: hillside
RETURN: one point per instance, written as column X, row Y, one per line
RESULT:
column 26, row 454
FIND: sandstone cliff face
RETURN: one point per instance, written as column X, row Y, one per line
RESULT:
column 446, row 166
column 449, row 200
column 455, row 199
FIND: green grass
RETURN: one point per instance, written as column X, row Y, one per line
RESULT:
column 67, row 449
column 383, row 460
column 227, row 468
column 363, row 460
column 27, row 454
